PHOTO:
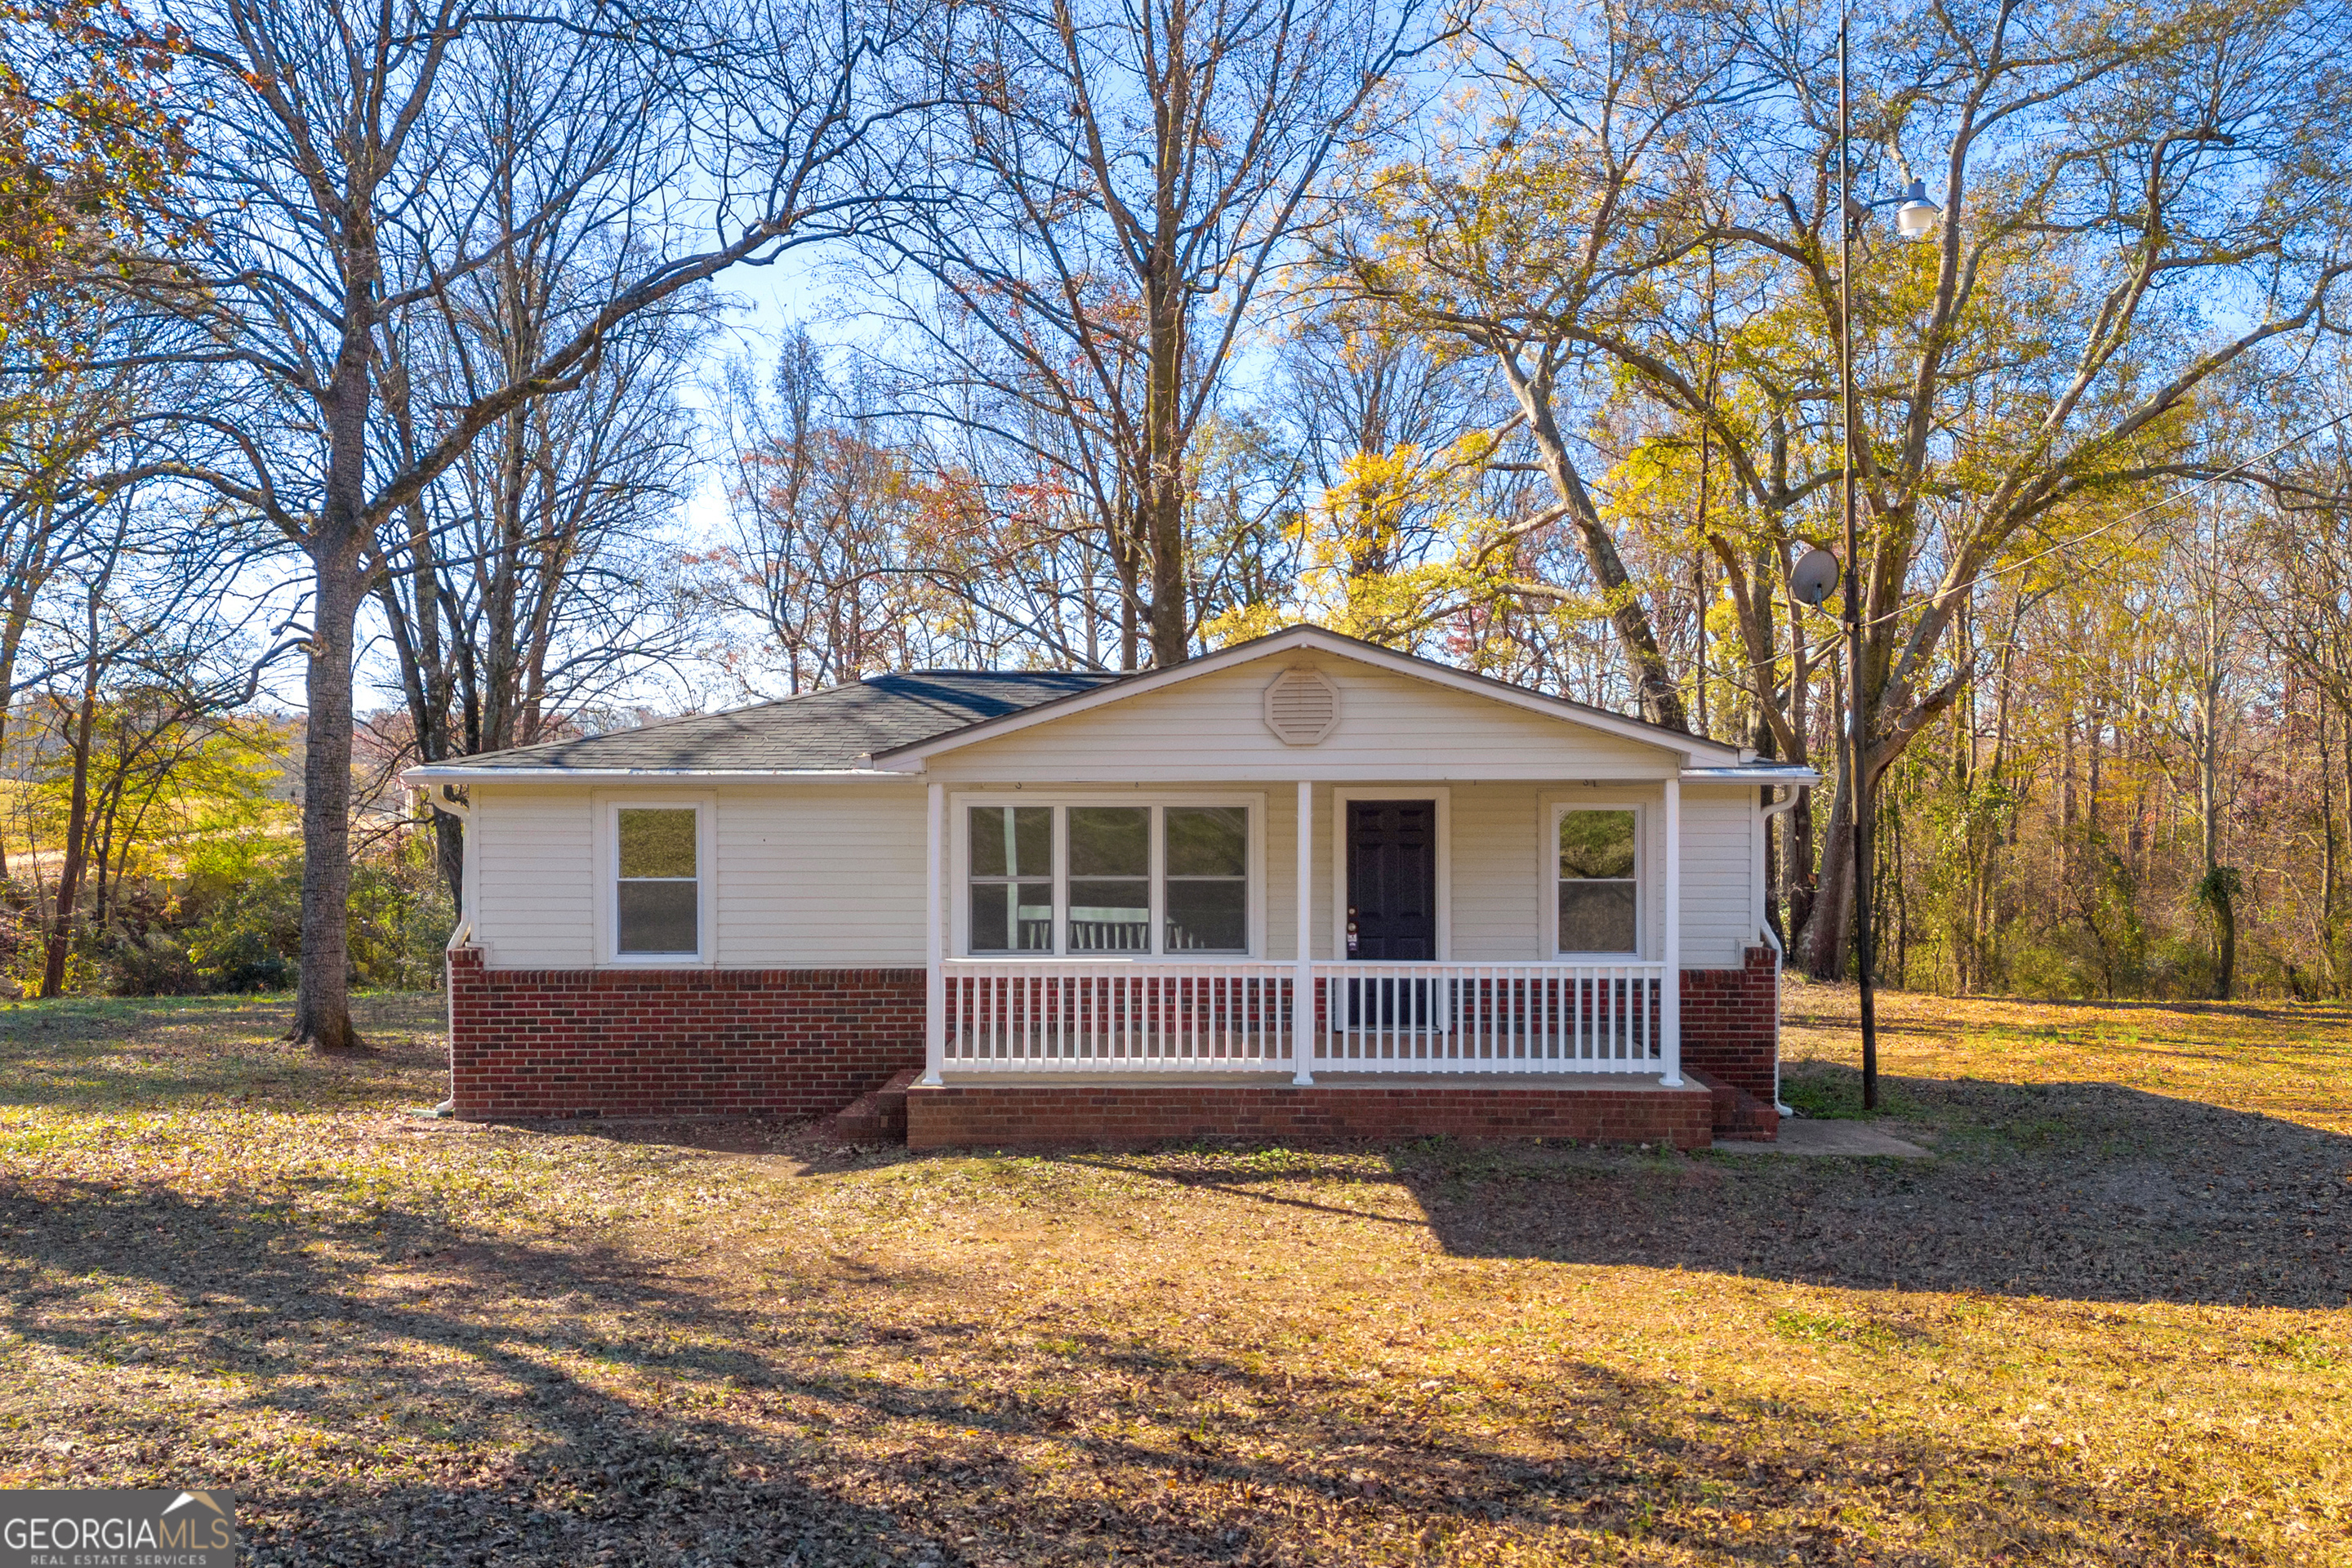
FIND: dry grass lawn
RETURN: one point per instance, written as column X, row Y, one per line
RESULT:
column 2106, row 1323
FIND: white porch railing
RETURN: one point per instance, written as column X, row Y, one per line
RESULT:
column 1489, row 1017
column 1034, row 1015
column 1111, row 1015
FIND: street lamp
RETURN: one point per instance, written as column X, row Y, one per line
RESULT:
column 1918, row 216
column 1915, row 219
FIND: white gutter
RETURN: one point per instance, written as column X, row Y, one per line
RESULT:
column 1755, row 773
column 1780, row 955
column 446, row 774
column 449, row 805
column 1780, row 959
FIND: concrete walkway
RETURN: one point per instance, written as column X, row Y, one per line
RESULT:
column 1806, row 1135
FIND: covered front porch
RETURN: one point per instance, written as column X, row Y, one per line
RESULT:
column 1100, row 997
column 1292, row 892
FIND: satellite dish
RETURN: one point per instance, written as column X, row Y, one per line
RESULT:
column 1816, row 575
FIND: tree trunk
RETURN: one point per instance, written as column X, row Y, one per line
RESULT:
column 1797, row 867
column 2329, row 896
column 323, row 1009
column 322, row 1013
column 2224, row 905
column 1828, row 934
column 1163, row 462
column 59, row 944
column 1661, row 696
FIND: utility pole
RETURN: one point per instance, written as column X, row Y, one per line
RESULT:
column 1856, row 685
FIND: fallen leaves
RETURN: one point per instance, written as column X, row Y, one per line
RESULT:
column 419, row 1342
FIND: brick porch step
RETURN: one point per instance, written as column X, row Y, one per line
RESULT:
column 1043, row 1110
column 1738, row 1114
column 878, row 1116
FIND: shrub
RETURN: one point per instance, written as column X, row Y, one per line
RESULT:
column 152, row 962
column 240, row 904
column 400, row 917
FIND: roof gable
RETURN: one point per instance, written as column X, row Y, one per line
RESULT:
column 1296, row 641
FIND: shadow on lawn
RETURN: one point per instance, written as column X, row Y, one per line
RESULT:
column 734, row 1455
column 2083, row 1191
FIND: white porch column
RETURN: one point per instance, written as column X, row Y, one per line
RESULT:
column 935, row 985
column 1670, row 990
column 1302, row 988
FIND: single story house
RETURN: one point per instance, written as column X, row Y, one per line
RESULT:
column 1301, row 888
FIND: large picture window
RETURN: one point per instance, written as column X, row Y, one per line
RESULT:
column 659, row 901
column 1599, row 903
column 1086, row 880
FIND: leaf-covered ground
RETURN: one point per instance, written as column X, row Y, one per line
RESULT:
column 2107, row 1322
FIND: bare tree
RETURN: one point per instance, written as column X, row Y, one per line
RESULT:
column 1111, row 192
column 534, row 576
column 844, row 551
column 343, row 182
column 142, row 602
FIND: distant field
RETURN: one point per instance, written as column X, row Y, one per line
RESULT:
column 2105, row 1324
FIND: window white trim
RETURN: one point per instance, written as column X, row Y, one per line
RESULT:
column 1556, row 806
column 1341, row 795
column 607, row 851
column 958, row 870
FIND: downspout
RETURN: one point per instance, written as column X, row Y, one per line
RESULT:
column 1780, row 955
column 441, row 799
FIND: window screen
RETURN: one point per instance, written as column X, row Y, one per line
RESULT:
column 1111, row 879
column 1207, row 860
column 1596, row 881
column 1114, row 895
column 659, row 901
column 1012, row 851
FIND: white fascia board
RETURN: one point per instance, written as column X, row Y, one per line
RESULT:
column 1754, row 773
column 1311, row 639
column 431, row 775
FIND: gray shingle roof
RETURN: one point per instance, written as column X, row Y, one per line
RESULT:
column 831, row 729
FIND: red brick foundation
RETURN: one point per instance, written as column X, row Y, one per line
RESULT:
column 1731, row 1035
column 532, row 1043
column 529, row 1044
column 1062, row 1115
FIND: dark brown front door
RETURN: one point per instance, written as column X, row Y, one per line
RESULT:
column 1393, row 879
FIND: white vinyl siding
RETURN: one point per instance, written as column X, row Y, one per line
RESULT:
column 534, row 876
column 809, row 876
column 1497, row 910
column 1723, row 876
column 1391, row 728
column 821, row 875
column 812, row 875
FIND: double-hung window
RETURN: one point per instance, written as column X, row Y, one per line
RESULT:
column 1089, row 880
column 1598, row 887
column 658, row 891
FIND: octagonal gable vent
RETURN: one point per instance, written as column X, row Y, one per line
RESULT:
column 1302, row 707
